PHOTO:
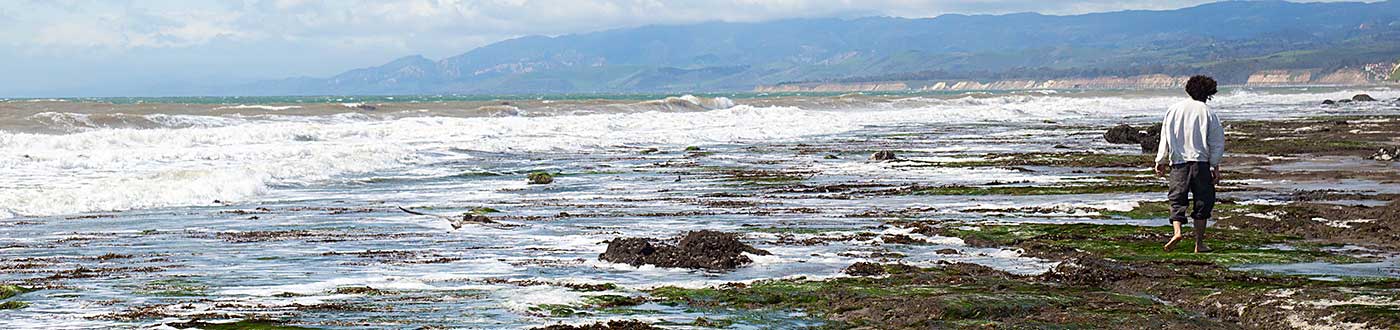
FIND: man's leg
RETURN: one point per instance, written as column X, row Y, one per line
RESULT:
column 1203, row 189
column 1178, row 184
column 1176, row 238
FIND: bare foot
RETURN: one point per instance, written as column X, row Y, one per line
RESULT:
column 1203, row 249
column 1172, row 243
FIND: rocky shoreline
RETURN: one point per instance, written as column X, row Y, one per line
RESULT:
column 1117, row 276
column 1285, row 201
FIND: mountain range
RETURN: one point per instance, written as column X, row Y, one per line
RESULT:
column 1231, row 40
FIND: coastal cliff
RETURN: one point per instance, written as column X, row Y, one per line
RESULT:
column 834, row 87
column 1153, row 81
column 1369, row 74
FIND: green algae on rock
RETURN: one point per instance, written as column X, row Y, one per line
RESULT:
column 1135, row 243
column 1108, row 275
column 609, row 325
column 950, row 296
column 9, row 290
column 596, row 304
column 755, row 176
column 1039, row 190
column 174, row 287
column 358, row 290
column 239, row 325
column 541, row 178
column 1058, row 159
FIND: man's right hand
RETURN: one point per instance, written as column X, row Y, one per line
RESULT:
column 1161, row 169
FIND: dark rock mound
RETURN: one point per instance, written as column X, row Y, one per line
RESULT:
column 1047, row 251
column 610, row 325
column 1386, row 154
column 875, row 269
column 1123, row 134
column 1151, row 138
column 705, row 249
column 883, row 155
column 902, row 239
column 1127, row 134
column 865, row 269
column 1328, row 102
column 1363, row 98
column 1089, row 270
column 974, row 270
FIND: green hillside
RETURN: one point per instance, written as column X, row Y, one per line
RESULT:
column 1230, row 40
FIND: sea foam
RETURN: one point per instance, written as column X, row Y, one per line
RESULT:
column 194, row 160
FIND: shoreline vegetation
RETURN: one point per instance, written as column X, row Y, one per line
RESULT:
column 1110, row 270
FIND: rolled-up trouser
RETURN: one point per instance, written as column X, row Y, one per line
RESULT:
column 1195, row 178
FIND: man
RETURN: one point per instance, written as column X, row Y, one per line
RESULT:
column 1192, row 145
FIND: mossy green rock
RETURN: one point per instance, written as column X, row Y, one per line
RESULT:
column 7, row 291
column 484, row 210
column 541, row 178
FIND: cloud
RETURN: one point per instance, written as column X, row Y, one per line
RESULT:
column 441, row 26
column 96, row 43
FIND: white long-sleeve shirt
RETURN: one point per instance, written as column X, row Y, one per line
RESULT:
column 1191, row 132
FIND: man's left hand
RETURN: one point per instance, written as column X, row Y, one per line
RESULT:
column 1215, row 174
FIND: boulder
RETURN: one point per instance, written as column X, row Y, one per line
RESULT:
column 1387, row 154
column 541, row 178
column 1362, row 98
column 705, row 249
column 1123, row 134
column 1147, row 138
column 883, row 155
column 1089, row 271
column 874, row 269
column 1328, row 102
column 1343, row 101
column 1150, row 139
column 865, row 269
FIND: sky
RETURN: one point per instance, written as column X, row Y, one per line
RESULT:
column 86, row 47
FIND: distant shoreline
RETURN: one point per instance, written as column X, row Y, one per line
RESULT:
column 284, row 100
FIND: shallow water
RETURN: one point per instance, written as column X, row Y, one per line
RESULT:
column 1332, row 271
column 224, row 214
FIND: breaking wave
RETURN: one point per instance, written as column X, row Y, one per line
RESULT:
column 120, row 161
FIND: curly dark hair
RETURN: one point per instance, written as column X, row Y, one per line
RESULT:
column 1200, row 87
